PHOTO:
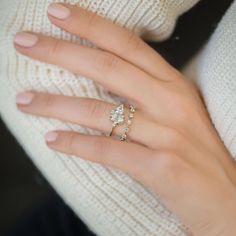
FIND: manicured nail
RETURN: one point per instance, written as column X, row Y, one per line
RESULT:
column 51, row 136
column 25, row 39
column 24, row 98
column 59, row 11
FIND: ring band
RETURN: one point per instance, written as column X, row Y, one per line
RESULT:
column 126, row 129
column 117, row 117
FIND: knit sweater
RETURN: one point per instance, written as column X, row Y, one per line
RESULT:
column 109, row 201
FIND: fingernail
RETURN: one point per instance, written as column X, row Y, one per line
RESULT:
column 51, row 136
column 59, row 11
column 26, row 39
column 24, row 98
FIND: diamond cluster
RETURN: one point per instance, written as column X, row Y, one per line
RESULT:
column 123, row 137
column 117, row 115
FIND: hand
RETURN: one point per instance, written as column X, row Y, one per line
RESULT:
column 174, row 149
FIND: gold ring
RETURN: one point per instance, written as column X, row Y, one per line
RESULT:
column 126, row 129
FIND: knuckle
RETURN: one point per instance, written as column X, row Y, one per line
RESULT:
column 184, row 108
column 133, row 41
column 55, row 50
column 181, row 107
column 166, row 160
column 187, row 114
column 91, row 16
column 168, row 165
column 48, row 101
column 174, row 139
column 100, row 147
column 106, row 63
column 94, row 110
column 69, row 142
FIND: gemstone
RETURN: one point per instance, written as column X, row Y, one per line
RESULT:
column 117, row 115
column 129, row 122
column 126, row 129
column 132, row 109
column 123, row 137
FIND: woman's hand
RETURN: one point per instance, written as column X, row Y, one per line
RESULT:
column 174, row 149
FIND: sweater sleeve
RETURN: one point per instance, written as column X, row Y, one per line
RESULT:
column 214, row 71
column 107, row 200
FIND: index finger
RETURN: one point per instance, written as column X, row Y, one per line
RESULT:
column 111, row 37
column 115, row 74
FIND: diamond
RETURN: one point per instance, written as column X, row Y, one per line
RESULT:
column 131, row 115
column 129, row 122
column 123, row 137
column 117, row 115
column 126, row 129
column 132, row 109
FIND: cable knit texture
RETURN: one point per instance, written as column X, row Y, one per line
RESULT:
column 107, row 200
column 214, row 70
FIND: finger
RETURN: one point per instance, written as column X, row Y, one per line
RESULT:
column 129, row 157
column 122, row 42
column 91, row 113
column 112, row 72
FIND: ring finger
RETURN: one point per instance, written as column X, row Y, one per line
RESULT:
column 91, row 113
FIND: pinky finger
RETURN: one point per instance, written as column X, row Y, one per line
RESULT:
column 129, row 157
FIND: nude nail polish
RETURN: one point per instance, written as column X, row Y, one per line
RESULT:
column 24, row 98
column 59, row 11
column 25, row 39
column 51, row 136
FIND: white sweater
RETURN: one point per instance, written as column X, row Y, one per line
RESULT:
column 107, row 200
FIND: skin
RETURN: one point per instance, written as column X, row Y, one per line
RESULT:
column 172, row 139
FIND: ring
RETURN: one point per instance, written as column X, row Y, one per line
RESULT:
column 117, row 117
column 132, row 110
